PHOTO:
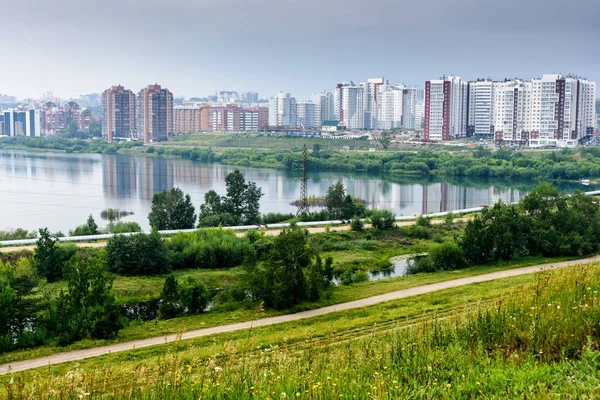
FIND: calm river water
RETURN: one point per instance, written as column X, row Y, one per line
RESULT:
column 59, row 191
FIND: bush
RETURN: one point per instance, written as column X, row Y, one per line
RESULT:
column 357, row 225
column 383, row 219
column 420, row 264
column 423, row 221
column 448, row 256
column 208, row 248
column 140, row 254
column 123, row 227
column 273, row 218
column 420, row 232
column 349, row 277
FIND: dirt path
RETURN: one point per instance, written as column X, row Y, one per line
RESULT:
column 399, row 294
column 268, row 232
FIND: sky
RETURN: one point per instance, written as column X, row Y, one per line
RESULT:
column 194, row 47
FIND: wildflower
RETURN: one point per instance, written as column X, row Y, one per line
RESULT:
column 448, row 385
column 218, row 369
column 283, row 395
column 478, row 383
column 558, row 307
column 297, row 394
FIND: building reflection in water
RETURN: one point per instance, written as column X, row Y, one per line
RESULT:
column 130, row 177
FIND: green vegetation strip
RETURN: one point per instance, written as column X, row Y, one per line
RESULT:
column 139, row 287
column 521, row 337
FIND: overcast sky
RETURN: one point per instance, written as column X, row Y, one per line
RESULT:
column 195, row 47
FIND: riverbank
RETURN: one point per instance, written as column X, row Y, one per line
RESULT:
column 569, row 165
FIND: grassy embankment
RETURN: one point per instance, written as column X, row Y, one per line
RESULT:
column 522, row 337
column 350, row 250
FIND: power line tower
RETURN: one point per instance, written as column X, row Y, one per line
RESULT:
column 303, row 207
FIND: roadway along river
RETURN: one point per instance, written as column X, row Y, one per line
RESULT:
column 59, row 191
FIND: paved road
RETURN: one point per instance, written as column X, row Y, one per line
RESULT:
column 399, row 294
column 269, row 232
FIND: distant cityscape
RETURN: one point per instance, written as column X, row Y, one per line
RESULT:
column 554, row 110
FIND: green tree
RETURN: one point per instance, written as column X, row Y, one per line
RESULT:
column 281, row 281
column 194, row 295
column 95, row 129
column 139, row 254
column 334, row 200
column 92, row 226
column 170, row 304
column 46, row 260
column 357, row 225
column 172, row 210
column 385, row 139
column 236, row 193
column 252, row 198
column 382, row 219
column 89, row 307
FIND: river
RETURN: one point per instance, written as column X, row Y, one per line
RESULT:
column 59, row 191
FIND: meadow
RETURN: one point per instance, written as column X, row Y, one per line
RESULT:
column 533, row 336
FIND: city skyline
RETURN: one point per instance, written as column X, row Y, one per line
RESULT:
column 406, row 43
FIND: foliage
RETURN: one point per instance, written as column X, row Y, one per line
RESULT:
column 241, row 204
column 385, row 139
column 172, row 210
column 341, row 205
column 357, row 225
column 123, row 227
column 139, row 254
column 208, row 248
column 423, row 221
column 382, row 219
column 89, row 228
column 88, row 308
column 273, row 218
column 46, row 260
column 545, row 222
column 114, row 214
column 292, row 272
column 170, row 305
column 17, row 234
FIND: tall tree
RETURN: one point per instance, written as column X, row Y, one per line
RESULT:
column 172, row 210
column 252, row 203
column 334, row 200
column 92, row 226
column 385, row 139
column 170, row 304
column 46, row 259
column 236, row 192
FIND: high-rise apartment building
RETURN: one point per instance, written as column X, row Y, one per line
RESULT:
column 306, row 111
column 118, row 113
column 249, row 97
column 481, row 108
column 282, row 111
column 324, row 107
column 20, row 122
column 389, row 107
column 371, row 92
column 508, row 112
column 446, row 109
column 154, row 114
column 349, row 105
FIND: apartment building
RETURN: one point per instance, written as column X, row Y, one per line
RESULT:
column 446, row 108
column 20, row 122
column 283, row 111
column 187, row 119
column 118, row 113
column 55, row 119
column 154, row 114
column 306, row 111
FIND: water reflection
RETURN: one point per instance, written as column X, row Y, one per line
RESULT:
column 61, row 190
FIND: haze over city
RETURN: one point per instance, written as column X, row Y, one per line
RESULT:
column 196, row 47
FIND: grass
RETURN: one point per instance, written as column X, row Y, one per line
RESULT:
column 521, row 337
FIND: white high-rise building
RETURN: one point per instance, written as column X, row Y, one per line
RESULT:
column 282, row 111
column 409, row 103
column 306, row 114
column 508, row 118
column 20, row 122
column 324, row 107
column 446, row 108
column 481, row 108
column 349, row 105
column 389, row 107
column 371, row 91
column 559, row 110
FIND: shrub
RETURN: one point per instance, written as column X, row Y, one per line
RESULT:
column 448, row 256
column 139, row 254
column 357, row 225
column 420, row 232
column 423, row 221
column 383, row 219
column 420, row 264
column 273, row 218
column 123, row 227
